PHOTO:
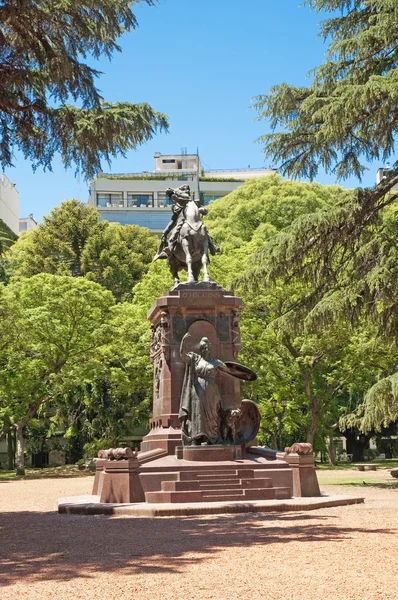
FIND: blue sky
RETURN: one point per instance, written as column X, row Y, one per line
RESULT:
column 201, row 63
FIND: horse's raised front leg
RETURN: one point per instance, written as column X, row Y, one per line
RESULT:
column 174, row 271
column 188, row 259
column 205, row 259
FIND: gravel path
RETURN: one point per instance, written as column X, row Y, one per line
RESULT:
column 348, row 552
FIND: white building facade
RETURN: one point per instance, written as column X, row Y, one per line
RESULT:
column 382, row 174
column 27, row 223
column 9, row 204
column 140, row 198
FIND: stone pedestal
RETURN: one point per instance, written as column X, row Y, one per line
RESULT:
column 203, row 310
column 305, row 482
column 118, row 482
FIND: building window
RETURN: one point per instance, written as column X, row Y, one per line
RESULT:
column 163, row 199
column 109, row 199
column 168, row 160
column 23, row 226
column 136, row 200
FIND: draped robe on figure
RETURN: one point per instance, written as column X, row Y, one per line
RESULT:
column 200, row 408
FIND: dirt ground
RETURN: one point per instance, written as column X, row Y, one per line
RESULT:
column 342, row 553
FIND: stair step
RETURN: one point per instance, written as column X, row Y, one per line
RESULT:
column 246, row 473
column 214, row 485
column 180, row 486
column 223, row 498
column 191, row 475
column 282, row 493
column 264, row 482
column 225, row 492
column 173, row 497
column 205, row 478
column 260, row 494
column 253, row 494
column 227, row 495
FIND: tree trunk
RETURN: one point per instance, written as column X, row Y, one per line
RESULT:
column 331, row 452
column 312, row 427
column 356, row 444
column 313, row 402
column 11, row 449
column 20, row 461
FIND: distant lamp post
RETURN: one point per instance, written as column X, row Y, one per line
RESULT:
column 279, row 414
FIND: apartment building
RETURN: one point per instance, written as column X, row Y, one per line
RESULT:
column 27, row 223
column 382, row 174
column 9, row 204
column 140, row 198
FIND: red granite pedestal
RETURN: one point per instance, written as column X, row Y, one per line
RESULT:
column 166, row 472
column 203, row 474
column 203, row 310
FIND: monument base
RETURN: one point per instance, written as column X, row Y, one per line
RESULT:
column 206, row 474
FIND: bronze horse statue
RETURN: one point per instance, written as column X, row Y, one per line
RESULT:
column 188, row 247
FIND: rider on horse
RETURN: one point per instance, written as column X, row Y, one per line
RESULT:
column 180, row 198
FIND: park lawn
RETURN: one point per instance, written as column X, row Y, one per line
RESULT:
column 64, row 471
column 381, row 478
column 388, row 463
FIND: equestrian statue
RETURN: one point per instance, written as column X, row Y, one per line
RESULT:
column 190, row 243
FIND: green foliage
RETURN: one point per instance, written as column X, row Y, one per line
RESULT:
column 345, row 259
column 349, row 109
column 221, row 179
column 7, row 238
column 52, row 328
column 56, row 245
column 379, row 407
column 132, row 177
column 116, row 395
column 346, row 256
column 261, row 207
column 44, row 50
column 73, row 241
column 91, row 449
column 116, row 256
column 338, row 265
column 64, row 341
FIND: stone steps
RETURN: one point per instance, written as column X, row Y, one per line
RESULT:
column 233, row 484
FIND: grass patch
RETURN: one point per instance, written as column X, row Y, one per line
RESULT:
column 64, row 471
column 356, row 482
column 388, row 463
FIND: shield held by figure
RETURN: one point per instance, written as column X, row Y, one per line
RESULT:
column 240, row 371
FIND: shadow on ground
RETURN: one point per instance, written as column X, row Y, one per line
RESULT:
column 48, row 546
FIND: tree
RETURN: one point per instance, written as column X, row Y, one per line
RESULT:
column 338, row 279
column 349, row 110
column 43, row 53
column 52, row 330
column 56, row 245
column 116, row 395
column 117, row 256
column 73, row 241
column 346, row 255
column 7, row 238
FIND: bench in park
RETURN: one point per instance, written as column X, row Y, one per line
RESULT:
column 362, row 467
